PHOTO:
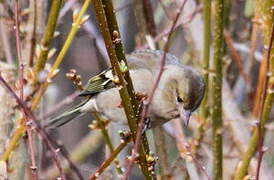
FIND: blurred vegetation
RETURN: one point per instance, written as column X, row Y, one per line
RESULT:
column 230, row 42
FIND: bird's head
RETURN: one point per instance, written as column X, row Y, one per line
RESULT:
column 180, row 92
column 190, row 90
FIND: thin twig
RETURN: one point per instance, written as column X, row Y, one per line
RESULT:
column 38, row 128
column 110, row 32
column 260, row 125
column 75, row 26
column 264, row 112
column 21, row 90
column 165, row 32
column 66, row 155
column 151, row 94
column 88, row 145
column 158, row 132
column 46, row 139
column 107, row 162
column 102, row 126
column 47, row 37
column 184, row 147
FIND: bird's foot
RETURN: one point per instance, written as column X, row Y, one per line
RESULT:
column 120, row 105
column 141, row 96
column 146, row 125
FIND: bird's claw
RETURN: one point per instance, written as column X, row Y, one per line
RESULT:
column 146, row 125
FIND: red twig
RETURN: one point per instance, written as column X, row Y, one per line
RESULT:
column 260, row 126
column 37, row 126
column 150, row 97
column 166, row 31
column 31, row 150
column 65, row 154
column 108, row 161
column 184, row 147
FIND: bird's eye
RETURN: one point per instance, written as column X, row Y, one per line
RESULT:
column 179, row 99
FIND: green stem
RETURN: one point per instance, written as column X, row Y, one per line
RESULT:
column 74, row 29
column 252, row 145
column 109, row 29
column 205, row 65
column 206, row 51
column 88, row 145
column 265, row 8
column 216, row 95
column 113, row 26
column 160, row 145
column 107, row 162
column 47, row 36
column 107, row 140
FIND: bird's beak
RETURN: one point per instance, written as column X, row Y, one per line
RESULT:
column 185, row 115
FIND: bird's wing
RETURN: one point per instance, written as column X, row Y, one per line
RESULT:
column 140, row 59
column 98, row 83
column 66, row 116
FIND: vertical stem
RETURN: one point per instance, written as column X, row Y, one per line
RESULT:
column 160, row 144
column 107, row 162
column 75, row 27
column 205, row 64
column 206, row 51
column 109, row 29
column 107, row 140
column 48, row 36
column 217, row 91
column 267, row 101
column 21, row 90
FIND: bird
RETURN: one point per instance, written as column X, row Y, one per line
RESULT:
column 179, row 92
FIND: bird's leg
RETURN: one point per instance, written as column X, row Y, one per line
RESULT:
column 146, row 125
column 120, row 105
column 140, row 96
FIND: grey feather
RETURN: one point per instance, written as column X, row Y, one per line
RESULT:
column 66, row 116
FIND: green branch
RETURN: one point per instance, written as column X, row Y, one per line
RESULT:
column 77, row 22
column 102, row 127
column 47, row 36
column 205, row 65
column 216, row 92
column 206, row 52
column 107, row 162
column 110, row 32
column 265, row 10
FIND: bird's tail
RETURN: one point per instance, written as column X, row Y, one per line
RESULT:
column 65, row 117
